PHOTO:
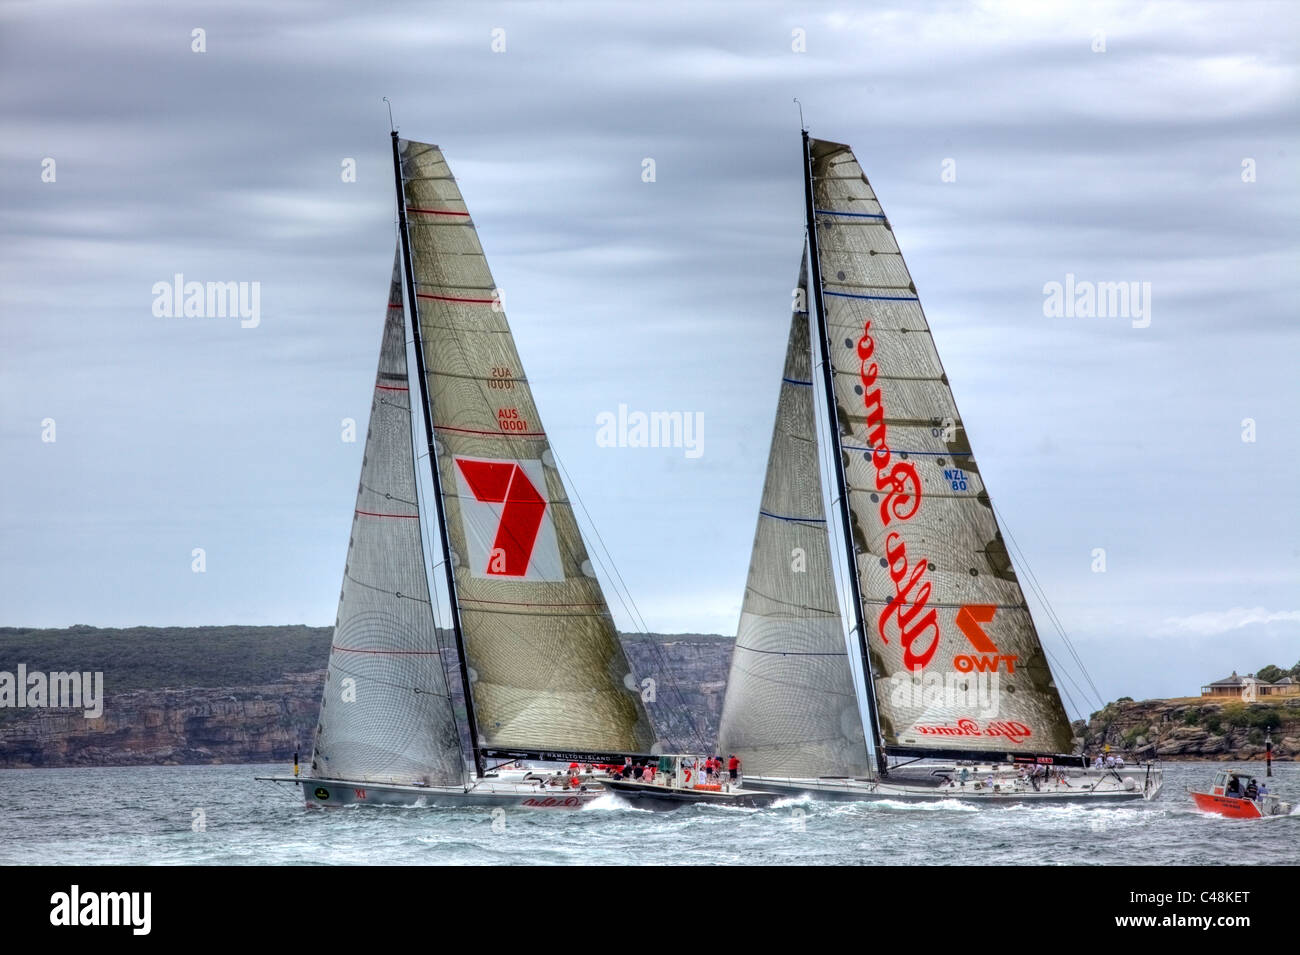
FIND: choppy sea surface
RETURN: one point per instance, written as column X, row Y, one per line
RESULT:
column 197, row 815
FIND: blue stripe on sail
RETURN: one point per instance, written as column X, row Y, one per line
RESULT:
column 854, row 215
column 796, row 381
column 884, row 298
column 796, row 520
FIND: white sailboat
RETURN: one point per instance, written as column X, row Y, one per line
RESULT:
column 942, row 651
column 544, row 675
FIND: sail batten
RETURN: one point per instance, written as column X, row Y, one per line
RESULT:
column 956, row 663
column 546, row 670
column 790, row 707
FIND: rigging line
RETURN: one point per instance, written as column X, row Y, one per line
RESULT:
column 1042, row 596
column 1069, row 700
column 1066, row 674
column 1056, row 673
column 624, row 594
column 1060, row 628
column 1061, row 670
column 656, row 649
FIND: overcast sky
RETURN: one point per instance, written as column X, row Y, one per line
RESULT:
column 1122, row 164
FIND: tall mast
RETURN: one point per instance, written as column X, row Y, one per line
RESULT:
column 433, row 461
column 837, row 464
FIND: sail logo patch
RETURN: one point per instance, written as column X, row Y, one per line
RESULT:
column 505, row 514
column 1010, row 730
column 970, row 621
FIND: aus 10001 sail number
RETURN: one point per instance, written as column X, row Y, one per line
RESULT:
column 508, row 419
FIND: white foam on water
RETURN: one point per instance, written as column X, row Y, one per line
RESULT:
column 609, row 802
column 788, row 802
column 942, row 805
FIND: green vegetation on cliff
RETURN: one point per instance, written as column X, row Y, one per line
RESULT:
column 1202, row 729
column 151, row 658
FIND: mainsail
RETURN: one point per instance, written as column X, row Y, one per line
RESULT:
column 790, row 708
column 957, row 663
column 547, row 674
column 386, row 715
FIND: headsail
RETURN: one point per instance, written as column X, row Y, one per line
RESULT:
column 790, row 708
column 547, row 672
column 957, row 663
column 386, row 714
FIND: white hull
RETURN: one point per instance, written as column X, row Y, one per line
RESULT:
column 1090, row 789
column 508, row 793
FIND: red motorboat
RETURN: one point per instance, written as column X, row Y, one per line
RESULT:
column 1231, row 796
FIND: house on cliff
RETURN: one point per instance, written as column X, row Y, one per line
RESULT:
column 1249, row 687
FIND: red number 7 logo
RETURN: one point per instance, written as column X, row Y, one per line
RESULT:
column 501, row 482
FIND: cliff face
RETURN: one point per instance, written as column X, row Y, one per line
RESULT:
column 246, row 724
column 251, row 694
column 690, row 679
column 1196, row 728
column 267, row 720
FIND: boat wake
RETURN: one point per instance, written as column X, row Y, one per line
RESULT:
column 791, row 802
column 609, row 802
column 942, row 805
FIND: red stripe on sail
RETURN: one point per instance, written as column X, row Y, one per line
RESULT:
column 503, row 434
column 391, row 388
column 436, row 212
column 373, row 514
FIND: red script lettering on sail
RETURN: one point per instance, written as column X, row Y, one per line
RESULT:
column 918, row 624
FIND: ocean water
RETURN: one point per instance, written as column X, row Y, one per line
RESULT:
column 152, row 815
